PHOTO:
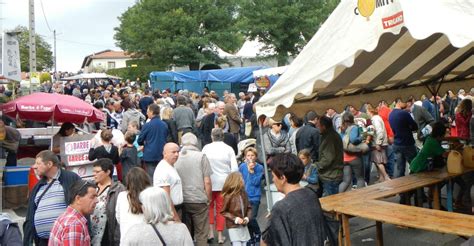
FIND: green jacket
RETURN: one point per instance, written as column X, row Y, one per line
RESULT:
column 331, row 159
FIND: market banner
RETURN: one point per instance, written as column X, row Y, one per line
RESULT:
column 10, row 67
column 74, row 153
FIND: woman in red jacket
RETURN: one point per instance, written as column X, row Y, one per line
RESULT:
column 463, row 116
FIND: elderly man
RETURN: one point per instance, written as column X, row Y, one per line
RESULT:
column 195, row 171
column 71, row 227
column 209, row 122
column 184, row 117
column 233, row 116
column 10, row 141
column 168, row 178
column 48, row 199
column 223, row 162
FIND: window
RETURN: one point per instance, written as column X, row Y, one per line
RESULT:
column 111, row 65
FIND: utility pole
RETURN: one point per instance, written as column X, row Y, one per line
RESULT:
column 55, row 58
column 32, row 38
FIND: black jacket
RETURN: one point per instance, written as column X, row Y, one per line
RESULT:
column 100, row 152
column 66, row 179
column 308, row 137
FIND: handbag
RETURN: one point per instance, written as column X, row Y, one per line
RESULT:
column 248, row 128
column 350, row 147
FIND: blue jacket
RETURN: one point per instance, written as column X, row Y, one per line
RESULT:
column 66, row 179
column 153, row 137
column 252, row 181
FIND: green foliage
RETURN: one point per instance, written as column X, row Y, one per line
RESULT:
column 44, row 55
column 45, row 77
column 179, row 32
column 132, row 73
column 284, row 26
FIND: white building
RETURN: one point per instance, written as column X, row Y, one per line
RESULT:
column 105, row 60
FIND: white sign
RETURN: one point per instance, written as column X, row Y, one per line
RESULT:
column 74, row 152
column 77, row 147
column 11, row 68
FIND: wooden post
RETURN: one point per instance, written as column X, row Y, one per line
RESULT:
column 436, row 201
column 379, row 229
column 346, row 229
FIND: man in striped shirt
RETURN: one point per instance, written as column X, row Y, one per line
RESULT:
column 71, row 227
column 47, row 199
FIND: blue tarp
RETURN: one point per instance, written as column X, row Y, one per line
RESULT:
column 228, row 75
column 232, row 79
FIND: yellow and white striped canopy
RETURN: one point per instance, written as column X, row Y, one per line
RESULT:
column 371, row 50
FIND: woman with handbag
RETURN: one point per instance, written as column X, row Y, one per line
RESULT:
column 158, row 228
column 353, row 149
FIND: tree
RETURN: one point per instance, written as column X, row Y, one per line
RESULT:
column 284, row 26
column 180, row 32
column 44, row 55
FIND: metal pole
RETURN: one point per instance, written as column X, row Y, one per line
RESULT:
column 55, row 57
column 265, row 169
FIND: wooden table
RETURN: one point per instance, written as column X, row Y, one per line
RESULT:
column 365, row 203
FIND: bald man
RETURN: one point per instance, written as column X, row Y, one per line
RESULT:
column 167, row 177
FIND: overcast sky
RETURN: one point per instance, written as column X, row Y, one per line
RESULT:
column 83, row 27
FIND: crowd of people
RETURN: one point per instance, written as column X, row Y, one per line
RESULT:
column 184, row 178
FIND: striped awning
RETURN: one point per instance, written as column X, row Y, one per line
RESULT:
column 401, row 44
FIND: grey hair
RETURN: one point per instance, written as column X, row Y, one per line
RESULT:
column 217, row 134
column 211, row 106
column 156, row 205
column 220, row 103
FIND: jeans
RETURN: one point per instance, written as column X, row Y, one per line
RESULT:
column 254, row 229
column 390, row 160
column 403, row 154
column 330, row 187
column 150, row 167
column 367, row 164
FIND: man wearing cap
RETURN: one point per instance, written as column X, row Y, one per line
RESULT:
column 167, row 99
column 195, row 171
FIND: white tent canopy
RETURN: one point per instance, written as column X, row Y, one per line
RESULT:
column 91, row 76
column 269, row 71
column 393, row 45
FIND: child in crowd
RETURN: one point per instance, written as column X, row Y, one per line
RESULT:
column 236, row 209
column 133, row 128
column 128, row 155
column 310, row 171
column 252, row 173
column 105, row 149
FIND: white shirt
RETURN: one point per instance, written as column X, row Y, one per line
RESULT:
column 223, row 161
column 166, row 175
column 124, row 217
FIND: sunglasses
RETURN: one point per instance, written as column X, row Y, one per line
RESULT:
column 86, row 182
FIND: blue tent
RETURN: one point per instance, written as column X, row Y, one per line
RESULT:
column 231, row 79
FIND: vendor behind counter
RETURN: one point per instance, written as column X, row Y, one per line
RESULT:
column 9, row 141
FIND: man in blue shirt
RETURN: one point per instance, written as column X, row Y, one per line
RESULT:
column 403, row 126
column 153, row 138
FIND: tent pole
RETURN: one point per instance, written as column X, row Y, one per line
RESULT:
column 265, row 169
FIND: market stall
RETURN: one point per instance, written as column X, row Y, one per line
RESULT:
column 372, row 50
column 230, row 79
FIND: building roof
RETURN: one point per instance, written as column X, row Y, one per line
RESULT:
column 105, row 54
